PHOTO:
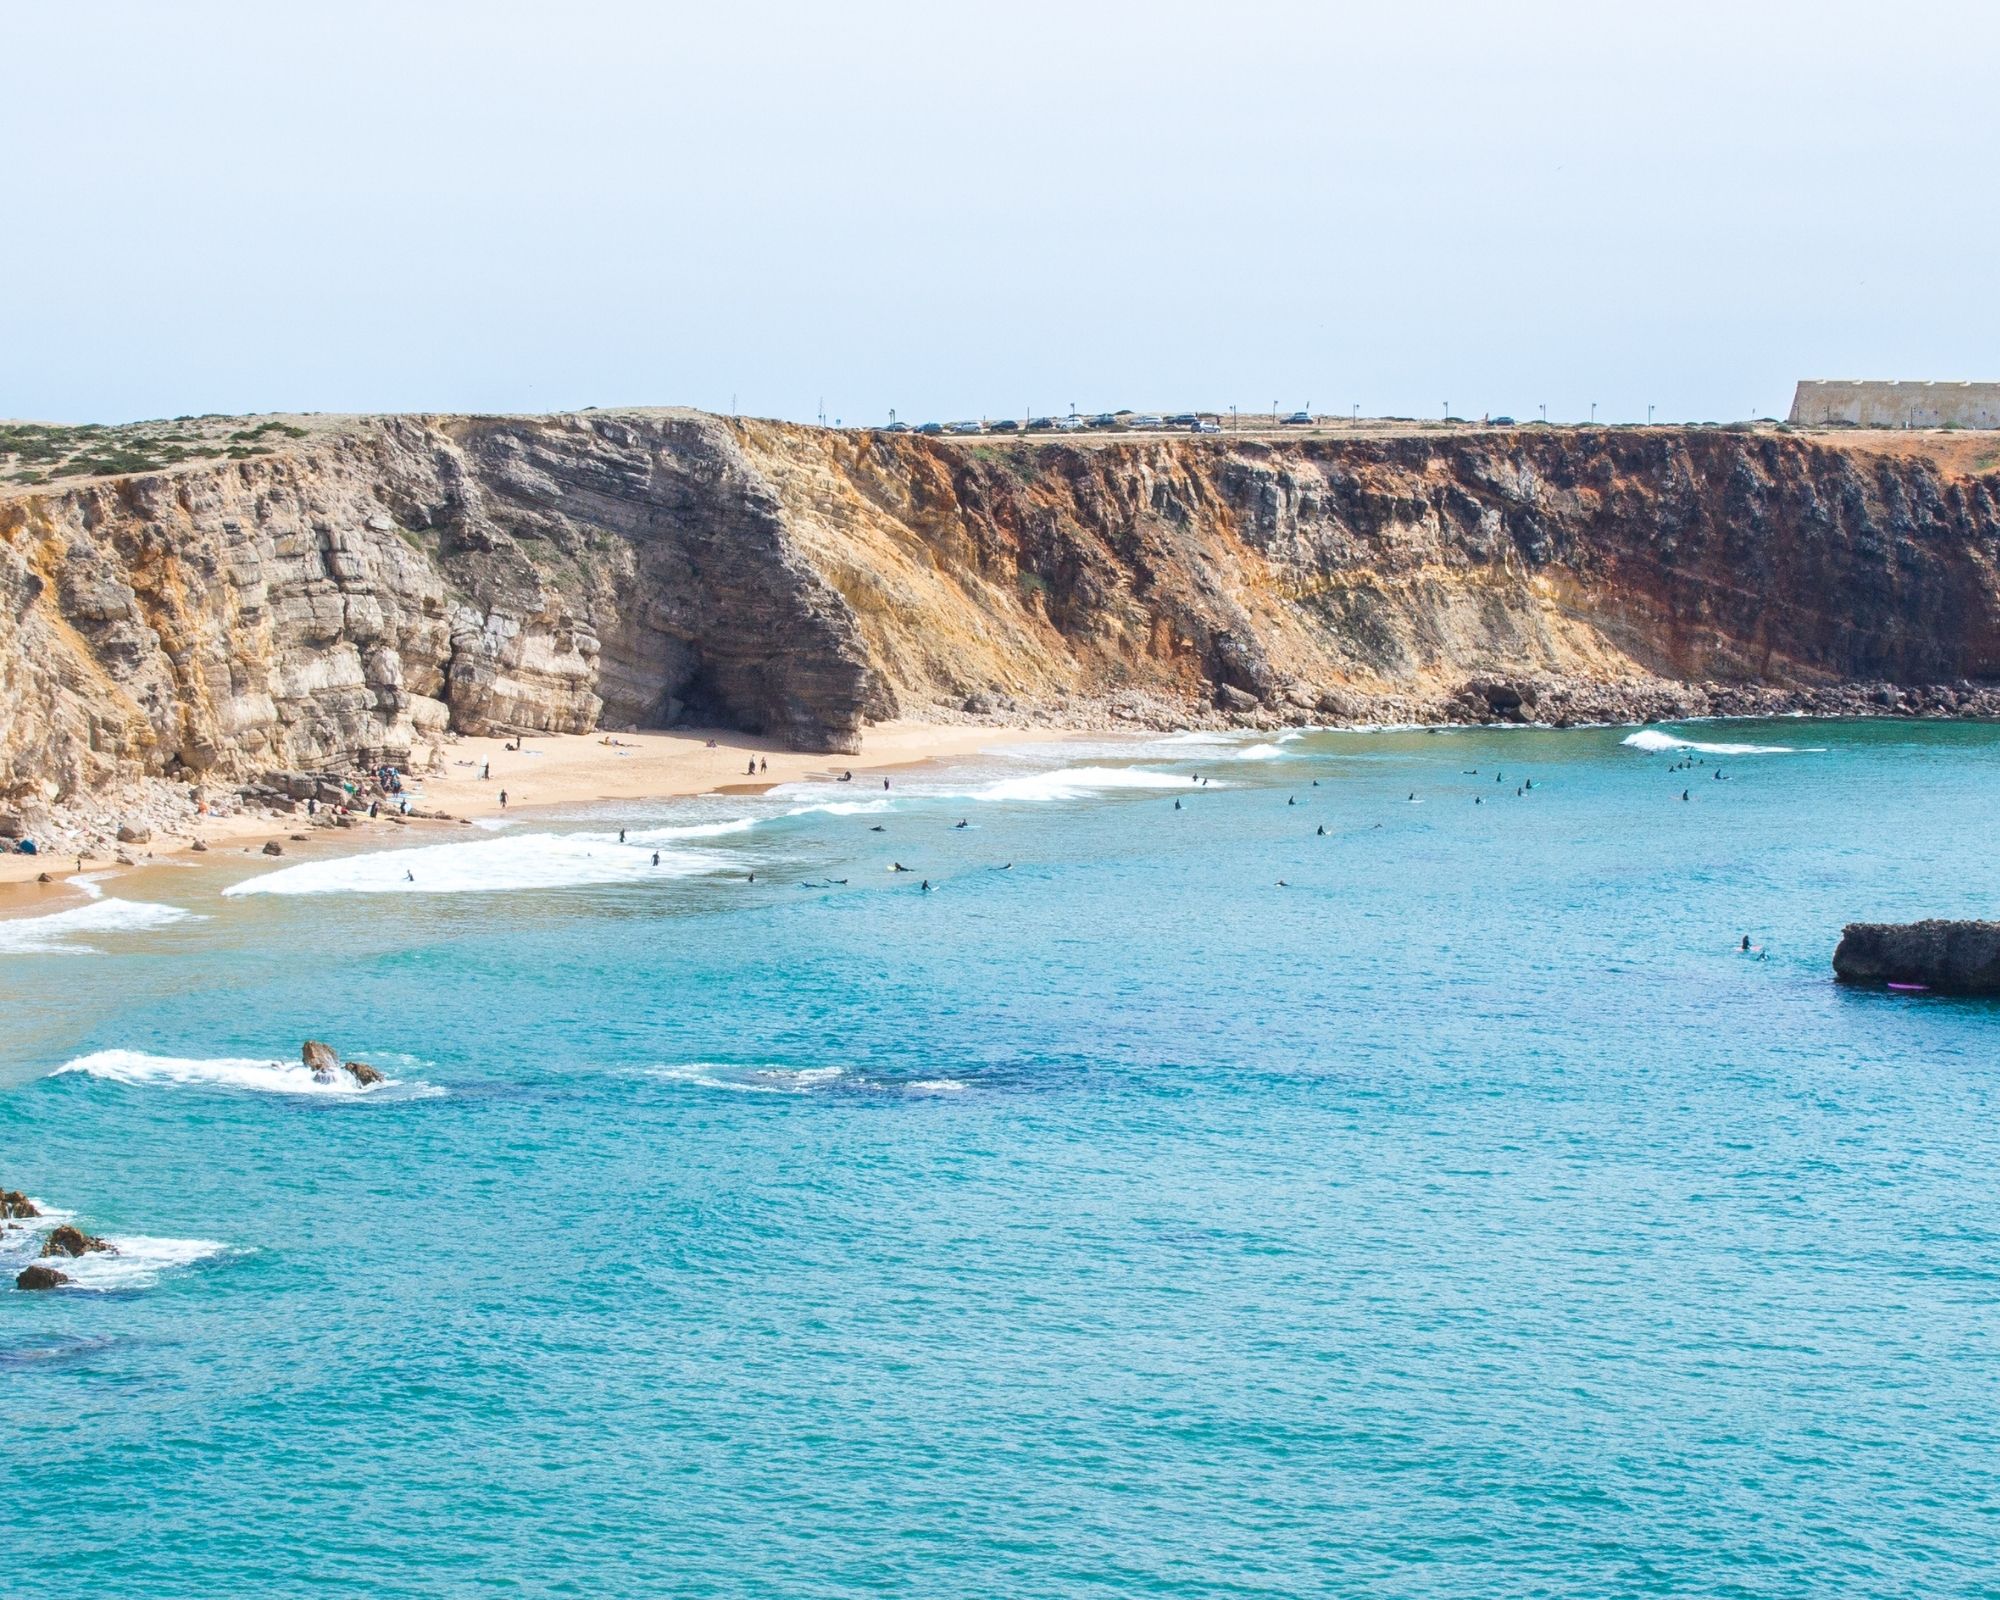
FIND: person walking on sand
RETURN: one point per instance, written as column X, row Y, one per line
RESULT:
column 503, row 799
column 486, row 771
column 752, row 768
column 763, row 766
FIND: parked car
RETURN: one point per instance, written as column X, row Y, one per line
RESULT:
column 1182, row 419
column 1004, row 425
column 965, row 427
column 1069, row 424
column 932, row 427
column 1041, row 424
column 1503, row 422
column 1203, row 425
column 1107, row 419
column 1298, row 419
column 897, row 427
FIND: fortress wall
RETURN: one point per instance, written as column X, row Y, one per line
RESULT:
column 1896, row 405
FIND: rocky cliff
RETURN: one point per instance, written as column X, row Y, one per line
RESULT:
column 376, row 581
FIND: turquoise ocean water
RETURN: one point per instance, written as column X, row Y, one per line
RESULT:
column 1465, row 1216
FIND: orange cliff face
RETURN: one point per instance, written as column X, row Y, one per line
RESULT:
column 367, row 586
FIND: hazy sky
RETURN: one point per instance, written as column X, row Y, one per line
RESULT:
column 975, row 209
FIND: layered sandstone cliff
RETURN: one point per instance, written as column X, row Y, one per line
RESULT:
column 353, row 594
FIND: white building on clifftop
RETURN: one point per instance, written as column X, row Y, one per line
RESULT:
column 1859, row 403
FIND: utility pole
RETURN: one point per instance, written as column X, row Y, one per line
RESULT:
column 1649, row 416
column 1357, row 413
column 1545, row 411
column 1232, row 418
column 1593, row 413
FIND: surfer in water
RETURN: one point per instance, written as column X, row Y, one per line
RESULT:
column 409, row 876
column 1322, row 830
column 1177, row 806
column 656, row 858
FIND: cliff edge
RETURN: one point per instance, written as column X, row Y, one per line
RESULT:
column 348, row 592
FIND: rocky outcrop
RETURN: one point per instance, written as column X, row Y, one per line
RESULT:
column 68, row 1240
column 324, row 1063
column 1950, row 957
column 13, row 1203
column 36, row 1276
column 352, row 596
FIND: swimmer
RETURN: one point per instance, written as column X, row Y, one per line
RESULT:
column 1315, row 783
column 1684, row 794
column 878, row 828
column 1322, row 830
column 885, row 783
column 752, row 878
column 1282, row 884
column 897, row 866
column 1291, row 800
column 656, row 858
column 1177, row 805
column 409, row 876
column 962, row 823
column 1529, row 784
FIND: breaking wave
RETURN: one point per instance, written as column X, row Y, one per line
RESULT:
column 138, row 1069
column 1068, row 783
column 1656, row 742
column 61, row 932
column 137, row 1264
column 511, row 861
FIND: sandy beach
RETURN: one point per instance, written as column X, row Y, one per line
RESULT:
column 549, row 770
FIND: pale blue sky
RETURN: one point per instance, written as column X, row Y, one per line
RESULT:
column 961, row 209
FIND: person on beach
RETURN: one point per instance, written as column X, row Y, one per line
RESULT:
column 503, row 799
column 486, row 771
column 621, row 835
column 312, row 807
column 752, row 768
column 763, row 765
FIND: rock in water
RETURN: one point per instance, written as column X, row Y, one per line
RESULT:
column 13, row 1203
column 38, row 1277
column 363, row 1073
column 69, row 1241
column 1950, row 957
column 320, row 1060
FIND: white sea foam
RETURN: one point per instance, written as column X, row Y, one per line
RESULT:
column 762, row 1078
column 511, row 861
column 688, row 830
column 60, row 932
column 137, row 1264
column 1067, row 783
column 137, row 1068
column 938, row 1086
column 1655, row 742
column 845, row 808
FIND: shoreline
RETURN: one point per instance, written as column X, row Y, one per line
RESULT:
column 551, row 772
column 556, row 771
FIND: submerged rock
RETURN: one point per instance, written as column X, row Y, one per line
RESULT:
column 73, row 1241
column 39, row 1277
column 1950, row 957
column 13, row 1203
